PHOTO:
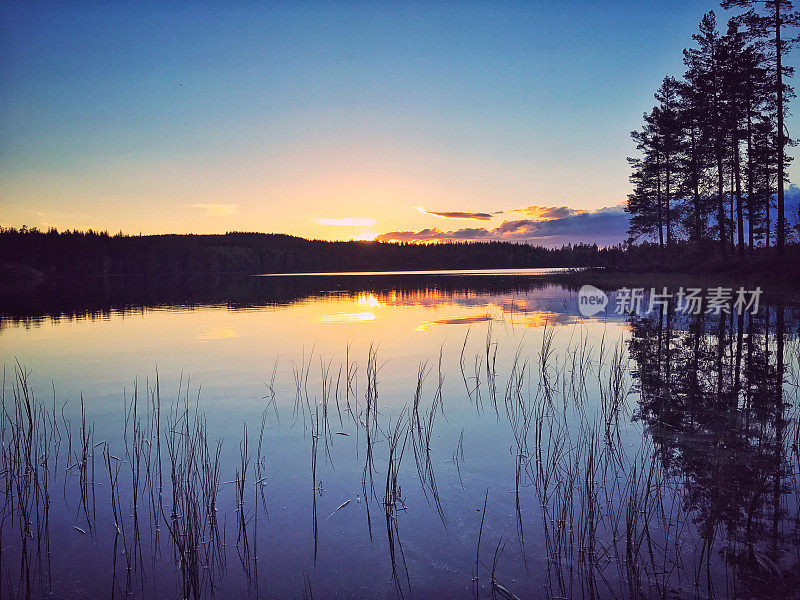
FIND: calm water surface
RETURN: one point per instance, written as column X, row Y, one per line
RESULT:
column 439, row 435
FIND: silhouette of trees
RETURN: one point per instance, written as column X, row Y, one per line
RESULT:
column 81, row 254
column 712, row 152
column 661, row 141
column 767, row 21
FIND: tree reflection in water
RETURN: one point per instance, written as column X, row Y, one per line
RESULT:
column 714, row 394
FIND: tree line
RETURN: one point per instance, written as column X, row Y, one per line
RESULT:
column 90, row 253
column 713, row 150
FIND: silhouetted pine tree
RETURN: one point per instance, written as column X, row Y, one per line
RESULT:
column 736, row 72
column 769, row 20
column 695, row 195
column 669, row 129
column 645, row 203
column 656, row 176
column 712, row 151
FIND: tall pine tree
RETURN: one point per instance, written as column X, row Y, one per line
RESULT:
column 770, row 20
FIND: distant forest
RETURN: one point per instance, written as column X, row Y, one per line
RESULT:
column 81, row 254
column 713, row 151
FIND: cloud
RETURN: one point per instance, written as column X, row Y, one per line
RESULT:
column 514, row 227
column 216, row 210
column 347, row 222
column 423, row 235
column 432, row 235
column 605, row 226
column 612, row 220
column 425, row 325
column 548, row 213
column 480, row 216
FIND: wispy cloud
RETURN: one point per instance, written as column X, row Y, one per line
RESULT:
column 347, row 222
column 216, row 210
column 605, row 226
column 457, row 214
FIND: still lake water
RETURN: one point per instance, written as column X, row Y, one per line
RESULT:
column 440, row 435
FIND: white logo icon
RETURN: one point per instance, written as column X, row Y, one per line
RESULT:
column 591, row 300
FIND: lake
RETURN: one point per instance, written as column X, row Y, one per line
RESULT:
column 432, row 435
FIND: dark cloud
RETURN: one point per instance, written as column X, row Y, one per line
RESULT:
column 514, row 227
column 605, row 227
column 546, row 213
column 480, row 216
column 606, row 221
column 470, row 233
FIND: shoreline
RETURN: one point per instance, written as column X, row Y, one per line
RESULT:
column 782, row 290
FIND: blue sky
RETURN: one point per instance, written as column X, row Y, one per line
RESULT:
column 331, row 120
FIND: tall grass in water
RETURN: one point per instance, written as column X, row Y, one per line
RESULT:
column 420, row 427
column 192, row 518
column 393, row 500
column 612, row 519
column 28, row 431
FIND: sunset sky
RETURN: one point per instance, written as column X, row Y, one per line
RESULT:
column 332, row 120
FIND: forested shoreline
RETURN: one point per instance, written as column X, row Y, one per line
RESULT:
column 82, row 254
column 32, row 255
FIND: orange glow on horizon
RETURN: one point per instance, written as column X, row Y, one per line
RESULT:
column 364, row 237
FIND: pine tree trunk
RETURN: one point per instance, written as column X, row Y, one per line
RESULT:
column 721, row 203
column 730, row 205
column 750, row 180
column 660, row 207
column 739, row 216
column 779, row 81
column 667, row 205
column 696, row 191
column 768, row 216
